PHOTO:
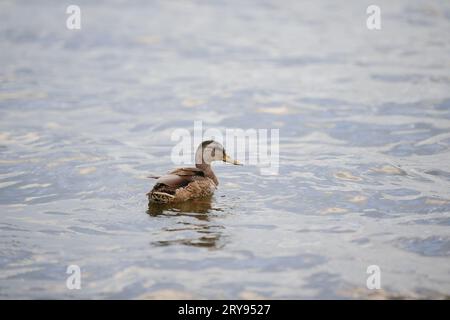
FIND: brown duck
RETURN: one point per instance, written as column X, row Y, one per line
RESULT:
column 184, row 184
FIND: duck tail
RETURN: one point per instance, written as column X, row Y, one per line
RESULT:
column 160, row 197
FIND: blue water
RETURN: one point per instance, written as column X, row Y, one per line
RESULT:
column 364, row 179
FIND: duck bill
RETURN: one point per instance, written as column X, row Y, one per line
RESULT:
column 229, row 160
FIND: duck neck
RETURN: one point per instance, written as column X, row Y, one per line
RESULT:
column 206, row 168
column 205, row 165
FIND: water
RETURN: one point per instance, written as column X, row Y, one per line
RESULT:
column 364, row 177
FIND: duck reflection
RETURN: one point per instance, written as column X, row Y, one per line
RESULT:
column 197, row 208
column 193, row 225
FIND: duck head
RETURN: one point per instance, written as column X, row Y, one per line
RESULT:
column 209, row 151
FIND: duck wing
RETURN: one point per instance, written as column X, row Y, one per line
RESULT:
column 185, row 172
column 180, row 177
column 188, row 179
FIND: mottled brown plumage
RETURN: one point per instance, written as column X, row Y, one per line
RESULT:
column 184, row 184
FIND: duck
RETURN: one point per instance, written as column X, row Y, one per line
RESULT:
column 183, row 184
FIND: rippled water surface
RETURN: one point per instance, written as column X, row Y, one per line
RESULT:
column 364, row 177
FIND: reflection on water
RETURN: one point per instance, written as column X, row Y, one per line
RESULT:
column 198, row 232
column 200, row 206
column 364, row 123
